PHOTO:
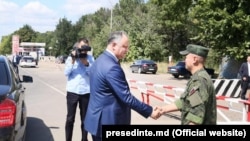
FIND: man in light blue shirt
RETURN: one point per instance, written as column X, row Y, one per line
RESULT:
column 78, row 89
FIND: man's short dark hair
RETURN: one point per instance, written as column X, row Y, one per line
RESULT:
column 85, row 40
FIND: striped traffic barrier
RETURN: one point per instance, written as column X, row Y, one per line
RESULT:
column 227, row 90
column 227, row 87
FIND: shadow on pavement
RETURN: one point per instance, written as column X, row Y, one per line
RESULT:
column 36, row 130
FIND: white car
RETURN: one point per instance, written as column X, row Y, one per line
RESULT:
column 27, row 61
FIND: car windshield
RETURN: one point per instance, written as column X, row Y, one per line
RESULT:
column 28, row 58
column 148, row 61
column 180, row 64
column 4, row 75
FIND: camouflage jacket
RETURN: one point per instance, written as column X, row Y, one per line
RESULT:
column 198, row 103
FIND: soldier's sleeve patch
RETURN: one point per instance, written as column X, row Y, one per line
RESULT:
column 195, row 99
column 193, row 90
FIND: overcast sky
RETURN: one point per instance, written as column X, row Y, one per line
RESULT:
column 43, row 15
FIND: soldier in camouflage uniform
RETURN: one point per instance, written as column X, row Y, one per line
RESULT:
column 198, row 103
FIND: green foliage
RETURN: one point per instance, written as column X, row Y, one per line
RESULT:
column 49, row 39
column 224, row 26
column 95, row 28
column 26, row 34
column 65, row 37
column 6, row 46
column 100, row 42
column 172, row 16
column 156, row 29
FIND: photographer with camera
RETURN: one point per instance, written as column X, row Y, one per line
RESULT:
column 78, row 87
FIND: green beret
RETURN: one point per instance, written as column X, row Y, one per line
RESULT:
column 195, row 49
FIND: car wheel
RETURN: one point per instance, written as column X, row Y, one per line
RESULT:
column 176, row 76
column 187, row 76
column 139, row 70
column 132, row 71
column 154, row 72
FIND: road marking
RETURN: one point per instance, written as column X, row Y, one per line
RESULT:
column 47, row 84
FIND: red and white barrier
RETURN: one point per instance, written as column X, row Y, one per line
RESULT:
column 233, row 106
column 169, row 94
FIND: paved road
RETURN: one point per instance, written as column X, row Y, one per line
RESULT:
column 46, row 101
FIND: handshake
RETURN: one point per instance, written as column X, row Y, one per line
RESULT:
column 159, row 111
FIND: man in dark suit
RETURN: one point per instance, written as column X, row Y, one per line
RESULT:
column 244, row 74
column 110, row 98
column 15, row 61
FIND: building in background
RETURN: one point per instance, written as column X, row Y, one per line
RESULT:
column 15, row 44
column 35, row 50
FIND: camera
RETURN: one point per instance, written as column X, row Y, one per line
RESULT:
column 79, row 51
column 85, row 48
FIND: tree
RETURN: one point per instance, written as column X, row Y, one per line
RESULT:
column 145, row 42
column 6, row 45
column 65, row 37
column 172, row 17
column 26, row 34
column 49, row 39
column 223, row 26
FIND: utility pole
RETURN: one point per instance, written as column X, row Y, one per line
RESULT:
column 111, row 16
column 111, row 19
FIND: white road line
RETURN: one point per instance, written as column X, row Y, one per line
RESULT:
column 47, row 84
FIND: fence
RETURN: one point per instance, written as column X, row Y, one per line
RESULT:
column 227, row 94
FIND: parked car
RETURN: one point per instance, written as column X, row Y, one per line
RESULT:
column 180, row 70
column 13, row 113
column 144, row 66
column 27, row 61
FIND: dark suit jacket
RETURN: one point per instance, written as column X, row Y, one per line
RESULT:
column 243, row 71
column 110, row 98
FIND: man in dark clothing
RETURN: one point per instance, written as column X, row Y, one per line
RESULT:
column 244, row 74
column 15, row 61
